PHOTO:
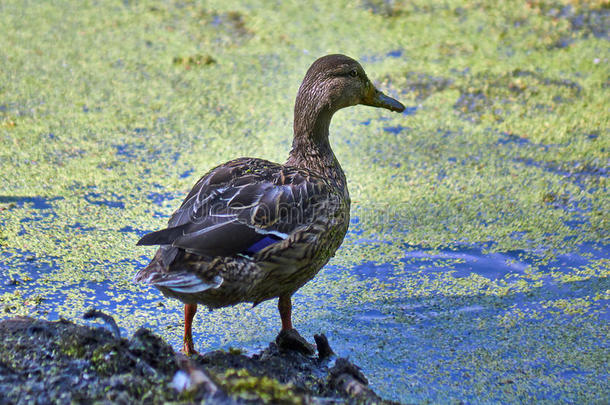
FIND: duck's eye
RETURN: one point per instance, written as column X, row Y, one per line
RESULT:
column 353, row 73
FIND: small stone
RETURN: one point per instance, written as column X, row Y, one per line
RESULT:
column 324, row 350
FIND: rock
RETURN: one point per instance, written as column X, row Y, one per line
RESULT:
column 63, row 362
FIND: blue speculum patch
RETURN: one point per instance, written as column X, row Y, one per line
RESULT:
column 476, row 265
column 262, row 243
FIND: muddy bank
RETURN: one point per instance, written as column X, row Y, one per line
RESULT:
column 63, row 362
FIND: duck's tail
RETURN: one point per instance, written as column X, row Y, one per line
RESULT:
column 181, row 280
column 186, row 283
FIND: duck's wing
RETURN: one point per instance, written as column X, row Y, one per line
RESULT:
column 242, row 207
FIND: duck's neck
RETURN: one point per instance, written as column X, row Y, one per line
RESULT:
column 310, row 147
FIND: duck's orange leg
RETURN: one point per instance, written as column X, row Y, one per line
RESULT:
column 285, row 307
column 288, row 337
column 189, row 313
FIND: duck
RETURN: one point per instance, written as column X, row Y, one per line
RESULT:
column 251, row 230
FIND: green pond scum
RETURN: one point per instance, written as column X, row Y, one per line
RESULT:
column 476, row 266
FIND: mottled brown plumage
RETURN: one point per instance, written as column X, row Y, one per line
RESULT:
column 251, row 230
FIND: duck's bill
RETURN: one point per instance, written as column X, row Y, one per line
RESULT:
column 378, row 99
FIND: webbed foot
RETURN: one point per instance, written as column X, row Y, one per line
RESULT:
column 290, row 340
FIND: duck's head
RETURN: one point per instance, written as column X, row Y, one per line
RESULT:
column 338, row 81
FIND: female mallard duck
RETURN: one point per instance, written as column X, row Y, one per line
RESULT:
column 251, row 230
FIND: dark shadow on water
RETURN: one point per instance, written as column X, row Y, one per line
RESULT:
column 98, row 199
column 161, row 197
column 131, row 229
column 39, row 203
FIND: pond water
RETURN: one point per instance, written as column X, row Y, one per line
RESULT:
column 476, row 265
column 457, row 323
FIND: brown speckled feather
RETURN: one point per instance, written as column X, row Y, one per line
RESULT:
column 231, row 208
